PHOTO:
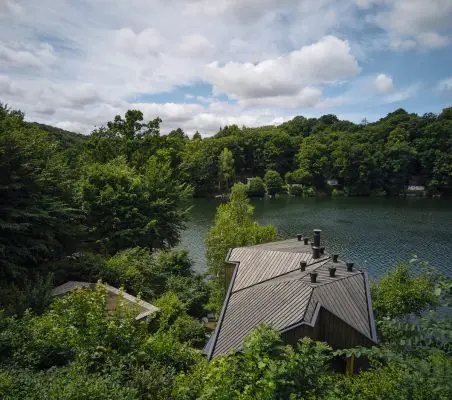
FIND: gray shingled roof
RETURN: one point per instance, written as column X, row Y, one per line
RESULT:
column 269, row 287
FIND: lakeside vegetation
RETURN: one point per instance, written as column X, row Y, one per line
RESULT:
column 111, row 207
column 299, row 156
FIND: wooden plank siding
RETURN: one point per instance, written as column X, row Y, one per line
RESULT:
column 330, row 329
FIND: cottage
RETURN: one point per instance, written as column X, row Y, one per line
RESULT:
column 145, row 308
column 415, row 188
column 332, row 182
column 300, row 290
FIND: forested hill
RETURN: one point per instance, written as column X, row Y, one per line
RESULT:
column 66, row 138
column 368, row 158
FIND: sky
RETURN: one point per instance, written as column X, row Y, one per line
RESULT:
column 204, row 64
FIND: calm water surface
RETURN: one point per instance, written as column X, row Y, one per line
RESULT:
column 374, row 233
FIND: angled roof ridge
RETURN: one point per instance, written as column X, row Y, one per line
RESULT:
column 280, row 275
column 370, row 310
column 311, row 323
column 268, row 282
column 337, row 278
column 223, row 312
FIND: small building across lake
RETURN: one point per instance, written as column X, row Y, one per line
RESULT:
column 300, row 290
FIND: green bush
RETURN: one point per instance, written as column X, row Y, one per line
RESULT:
column 192, row 291
column 173, row 318
column 273, row 182
column 309, row 191
column 265, row 369
column 400, row 292
column 152, row 274
column 135, row 269
column 296, row 190
column 337, row 193
column 256, row 187
column 63, row 384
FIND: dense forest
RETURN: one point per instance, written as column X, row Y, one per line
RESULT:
column 369, row 158
column 112, row 206
column 380, row 158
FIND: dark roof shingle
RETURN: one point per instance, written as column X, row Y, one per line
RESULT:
column 269, row 287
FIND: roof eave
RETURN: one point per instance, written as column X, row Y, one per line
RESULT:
column 223, row 309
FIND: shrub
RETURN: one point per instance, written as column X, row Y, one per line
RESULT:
column 273, row 182
column 192, row 291
column 140, row 271
column 337, row 193
column 401, row 292
column 296, row 190
column 256, row 187
column 63, row 384
column 309, row 191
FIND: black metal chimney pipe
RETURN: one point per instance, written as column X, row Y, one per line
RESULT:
column 303, row 265
column 315, row 252
column 306, row 240
column 299, row 237
column 313, row 277
column 317, row 237
column 335, row 257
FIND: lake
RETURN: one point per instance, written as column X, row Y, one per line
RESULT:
column 375, row 233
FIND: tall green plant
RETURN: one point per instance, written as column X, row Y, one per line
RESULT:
column 126, row 208
column 234, row 226
column 38, row 221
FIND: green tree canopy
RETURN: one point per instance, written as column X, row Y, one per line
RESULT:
column 126, row 208
column 234, row 226
column 273, row 182
column 226, row 167
column 256, row 187
column 38, row 223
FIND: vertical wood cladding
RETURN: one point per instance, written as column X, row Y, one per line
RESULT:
column 329, row 328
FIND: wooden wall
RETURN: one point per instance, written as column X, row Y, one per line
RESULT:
column 330, row 329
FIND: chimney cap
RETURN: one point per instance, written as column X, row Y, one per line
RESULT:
column 317, row 230
column 313, row 276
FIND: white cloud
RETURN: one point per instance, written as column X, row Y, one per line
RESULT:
column 45, row 109
column 145, row 43
column 402, row 94
column 169, row 112
column 195, row 45
column 445, row 86
column 8, row 88
column 269, row 56
column 10, row 7
column 14, row 55
column 244, row 11
column 306, row 98
column 327, row 60
column 432, row 40
column 383, row 83
column 402, row 44
column 365, row 3
column 424, row 22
